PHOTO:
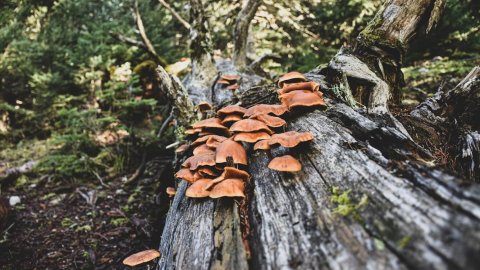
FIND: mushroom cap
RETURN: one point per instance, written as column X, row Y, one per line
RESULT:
column 194, row 162
column 302, row 98
column 271, row 121
column 182, row 148
column 204, row 139
column 230, row 77
column 262, row 145
column 291, row 77
column 185, row 174
column 197, row 189
column 251, row 137
column 285, row 163
column 171, row 191
column 228, row 188
column 192, row 131
column 231, row 109
column 274, row 109
column 290, row 138
column 204, row 106
column 213, row 143
column 228, row 173
column 209, row 123
column 233, row 87
column 249, row 125
column 202, row 149
column 141, row 257
column 231, row 118
column 225, row 82
column 311, row 86
column 206, row 172
column 230, row 148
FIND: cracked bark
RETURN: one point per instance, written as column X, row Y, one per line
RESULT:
column 373, row 64
column 400, row 212
column 240, row 33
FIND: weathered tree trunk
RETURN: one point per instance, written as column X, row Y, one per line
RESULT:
column 373, row 65
column 449, row 121
column 240, row 33
column 203, row 68
column 367, row 196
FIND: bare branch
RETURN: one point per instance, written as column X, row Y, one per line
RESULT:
column 255, row 65
column 203, row 67
column 240, row 33
column 141, row 29
column 175, row 14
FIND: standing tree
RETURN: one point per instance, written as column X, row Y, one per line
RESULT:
column 367, row 196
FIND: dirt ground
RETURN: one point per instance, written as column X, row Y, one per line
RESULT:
column 82, row 225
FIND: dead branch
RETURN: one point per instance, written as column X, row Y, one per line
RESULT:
column 141, row 29
column 175, row 14
column 240, row 33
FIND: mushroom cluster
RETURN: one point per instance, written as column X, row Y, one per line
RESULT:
column 217, row 167
column 230, row 81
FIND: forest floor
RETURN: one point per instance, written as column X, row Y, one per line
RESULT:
column 84, row 224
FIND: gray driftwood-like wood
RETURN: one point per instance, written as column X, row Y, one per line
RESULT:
column 373, row 65
column 412, row 215
column 240, row 33
column 456, row 114
column 366, row 198
column 415, row 217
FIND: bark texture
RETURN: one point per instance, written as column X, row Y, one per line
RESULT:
column 203, row 66
column 240, row 33
column 455, row 114
column 373, row 64
column 366, row 198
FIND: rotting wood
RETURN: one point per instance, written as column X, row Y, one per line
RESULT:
column 374, row 63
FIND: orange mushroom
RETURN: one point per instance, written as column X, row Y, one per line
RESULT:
column 233, row 87
column 291, row 77
column 271, row 121
column 194, row 162
column 204, row 106
column 182, row 148
column 311, row 86
column 204, row 139
column 225, row 82
column 285, row 163
column 274, row 109
column 206, row 172
column 231, row 109
column 262, row 145
column 302, row 98
column 141, row 257
column 250, row 125
column 251, row 137
column 230, row 77
column 197, row 189
column 290, row 139
column 232, row 118
column 213, row 143
column 185, row 174
column 192, row 131
column 228, row 173
column 231, row 149
column 171, row 191
column 209, row 123
column 202, row 149
column 228, row 188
